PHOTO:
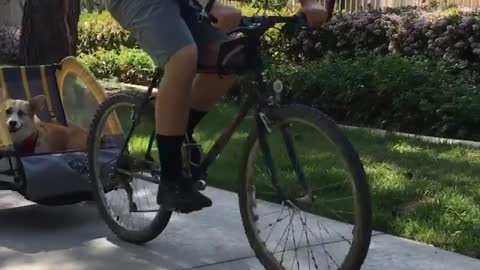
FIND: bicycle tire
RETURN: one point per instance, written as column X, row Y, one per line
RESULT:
column 162, row 217
column 361, row 242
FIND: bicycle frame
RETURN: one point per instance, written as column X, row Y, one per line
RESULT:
column 257, row 99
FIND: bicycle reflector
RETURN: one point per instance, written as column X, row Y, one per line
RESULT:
column 277, row 86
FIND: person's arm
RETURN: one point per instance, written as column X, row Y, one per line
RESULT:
column 307, row 2
column 227, row 17
column 315, row 13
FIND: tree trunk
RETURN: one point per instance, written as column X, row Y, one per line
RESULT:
column 49, row 31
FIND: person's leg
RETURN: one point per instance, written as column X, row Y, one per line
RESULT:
column 163, row 34
column 207, row 89
column 171, row 110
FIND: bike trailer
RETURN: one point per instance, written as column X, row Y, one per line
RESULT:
column 72, row 95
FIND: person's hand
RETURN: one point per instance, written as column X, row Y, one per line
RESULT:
column 227, row 17
column 315, row 13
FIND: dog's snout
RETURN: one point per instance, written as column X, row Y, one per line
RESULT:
column 12, row 123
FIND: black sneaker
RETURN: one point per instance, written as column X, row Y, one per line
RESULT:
column 184, row 199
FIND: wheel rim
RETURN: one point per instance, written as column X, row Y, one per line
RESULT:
column 305, row 241
column 116, row 202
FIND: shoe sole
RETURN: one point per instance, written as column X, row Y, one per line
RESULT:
column 183, row 210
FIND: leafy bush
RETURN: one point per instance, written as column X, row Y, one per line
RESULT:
column 101, row 31
column 102, row 63
column 135, row 66
column 447, row 36
column 127, row 65
column 392, row 92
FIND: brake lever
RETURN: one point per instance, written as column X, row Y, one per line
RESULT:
column 245, row 26
column 241, row 29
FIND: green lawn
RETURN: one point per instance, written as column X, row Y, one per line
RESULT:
column 426, row 192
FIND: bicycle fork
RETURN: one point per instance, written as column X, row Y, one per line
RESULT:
column 263, row 126
column 263, row 129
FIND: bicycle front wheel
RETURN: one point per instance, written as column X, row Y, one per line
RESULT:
column 304, row 197
column 125, row 200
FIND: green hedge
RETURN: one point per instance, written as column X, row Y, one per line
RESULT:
column 445, row 36
column 128, row 65
column 391, row 92
column 100, row 31
column 409, row 94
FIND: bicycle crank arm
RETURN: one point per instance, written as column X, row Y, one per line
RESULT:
column 140, row 176
column 144, row 211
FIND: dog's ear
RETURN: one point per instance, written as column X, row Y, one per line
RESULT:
column 37, row 103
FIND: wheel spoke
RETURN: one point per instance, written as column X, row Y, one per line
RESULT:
column 286, row 238
column 339, row 234
column 308, row 243
column 270, row 225
column 283, row 234
column 273, row 227
column 295, row 258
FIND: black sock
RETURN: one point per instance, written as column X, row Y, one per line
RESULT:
column 170, row 151
column 194, row 118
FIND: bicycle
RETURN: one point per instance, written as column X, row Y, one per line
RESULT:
column 130, row 169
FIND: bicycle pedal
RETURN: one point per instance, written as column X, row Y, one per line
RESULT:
column 133, row 207
column 192, row 144
column 200, row 185
column 155, row 173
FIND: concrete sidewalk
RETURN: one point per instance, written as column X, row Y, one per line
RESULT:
column 74, row 237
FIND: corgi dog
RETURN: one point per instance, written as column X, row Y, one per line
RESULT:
column 30, row 135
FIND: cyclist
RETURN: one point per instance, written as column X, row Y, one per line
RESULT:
column 170, row 33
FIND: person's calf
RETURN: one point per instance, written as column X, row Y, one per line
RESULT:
column 209, row 88
column 194, row 118
column 195, row 152
column 171, row 110
column 173, row 97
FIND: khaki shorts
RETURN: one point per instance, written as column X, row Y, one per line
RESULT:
column 161, row 27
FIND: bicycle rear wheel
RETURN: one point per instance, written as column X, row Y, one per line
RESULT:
column 125, row 201
column 298, row 182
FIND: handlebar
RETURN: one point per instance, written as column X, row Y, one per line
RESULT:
column 296, row 19
column 260, row 24
column 271, row 20
column 253, row 27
